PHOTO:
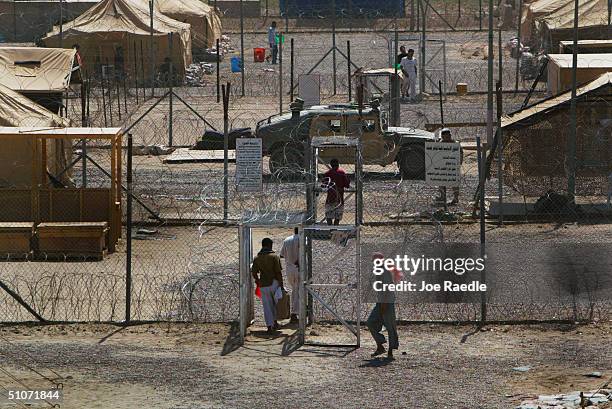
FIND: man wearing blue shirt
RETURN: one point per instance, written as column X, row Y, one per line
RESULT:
column 272, row 41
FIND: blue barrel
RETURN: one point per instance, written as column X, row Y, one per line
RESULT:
column 236, row 64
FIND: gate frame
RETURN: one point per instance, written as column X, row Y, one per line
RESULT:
column 307, row 286
column 424, row 70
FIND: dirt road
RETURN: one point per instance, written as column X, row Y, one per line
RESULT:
column 199, row 366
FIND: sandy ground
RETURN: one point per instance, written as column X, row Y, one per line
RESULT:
column 200, row 366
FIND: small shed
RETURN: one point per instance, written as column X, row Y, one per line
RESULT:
column 535, row 141
column 590, row 67
column 71, row 208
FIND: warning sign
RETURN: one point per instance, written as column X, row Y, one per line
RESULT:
column 443, row 163
column 249, row 165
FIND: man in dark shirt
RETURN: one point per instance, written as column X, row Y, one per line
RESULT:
column 267, row 272
column 335, row 181
column 384, row 314
column 401, row 55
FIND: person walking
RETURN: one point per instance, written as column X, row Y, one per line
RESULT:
column 445, row 136
column 267, row 273
column 290, row 251
column 383, row 313
column 335, row 181
column 409, row 68
column 272, row 41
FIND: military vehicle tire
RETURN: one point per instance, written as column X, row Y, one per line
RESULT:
column 411, row 161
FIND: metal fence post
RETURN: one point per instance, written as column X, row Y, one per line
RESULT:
column 490, row 78
column 348, row 69
column 84, row 124
column 280, row 72
column 218, row 72
column 500, row 151
column 291, row 69
column 334, row 44
column 128, row 257
column 241, row 47
column 518, row 50
column 15, row 20
column 61, row 23
column 483, row 274
column 226, row 92
column 171, row 92
column 570, row 162
column 151, row 51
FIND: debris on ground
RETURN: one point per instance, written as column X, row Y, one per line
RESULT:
column 521, row 368
column 151, row 150
column 196, row 72
column 572, row 400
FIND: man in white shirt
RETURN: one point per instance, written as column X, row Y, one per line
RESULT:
column 409, row 68
column 291, row 253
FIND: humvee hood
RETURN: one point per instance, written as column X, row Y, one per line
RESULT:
column 411, row 132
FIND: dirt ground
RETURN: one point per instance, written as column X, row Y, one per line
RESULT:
column 201, row 366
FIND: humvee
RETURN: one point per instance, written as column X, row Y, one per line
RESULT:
column 284, row 136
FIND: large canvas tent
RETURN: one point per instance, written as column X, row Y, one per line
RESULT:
column 41, row 74
column 533, row 11
column 204, row 20
column 16, row 152
column 559, row 25
column 118, row 32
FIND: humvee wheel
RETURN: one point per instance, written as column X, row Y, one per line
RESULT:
column 286, row 162
column 411, row 161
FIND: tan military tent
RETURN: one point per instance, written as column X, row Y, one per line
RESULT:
column 118, row 32
column 35, row 69
column 559, row 25
column 533, row 11
column 205, row 21
column 16, row 152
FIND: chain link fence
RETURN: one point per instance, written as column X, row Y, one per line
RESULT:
column 184, row 242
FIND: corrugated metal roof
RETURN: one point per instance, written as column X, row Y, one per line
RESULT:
column 554, row 102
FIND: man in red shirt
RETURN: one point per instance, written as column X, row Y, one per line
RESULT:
column 335, row 181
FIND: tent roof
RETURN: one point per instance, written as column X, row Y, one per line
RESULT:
column 62, row 133
column 130, row 16
column 556, row 101
column 186, row 7
column 584, row 60
column 17, row 110
column 35, row 69
column 590, row 13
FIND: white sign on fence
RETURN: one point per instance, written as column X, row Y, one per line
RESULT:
column 443, row 163
column 249, row 165
column 309, row 89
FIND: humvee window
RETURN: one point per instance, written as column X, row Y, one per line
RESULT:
column 355, row 126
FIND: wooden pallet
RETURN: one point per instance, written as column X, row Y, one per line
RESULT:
column 15, row 238
column 74, row 240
